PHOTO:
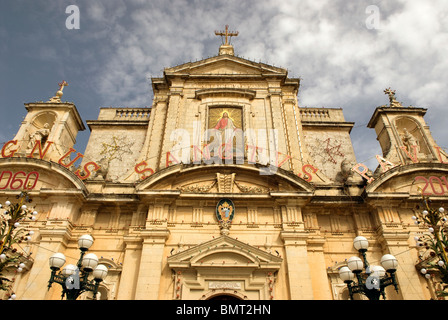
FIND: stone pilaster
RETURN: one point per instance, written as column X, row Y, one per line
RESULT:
column 172, row 115
column 275, row 101
column 131, row 263
column 396, row 243
column 158, row 116
column 319, row 277
column 299, row 274
column 54, row 238
column 151, row 261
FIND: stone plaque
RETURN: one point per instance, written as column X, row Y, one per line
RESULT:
column 224, row 285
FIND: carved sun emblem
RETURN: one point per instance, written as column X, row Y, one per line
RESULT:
column 116, row 149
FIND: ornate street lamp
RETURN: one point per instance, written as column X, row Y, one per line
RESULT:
column 375, row 279
column 74, row 279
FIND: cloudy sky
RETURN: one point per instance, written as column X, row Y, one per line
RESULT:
column 345, row 52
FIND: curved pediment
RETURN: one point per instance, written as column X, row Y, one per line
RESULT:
column 238, row 180
column 35, row 174
column 411, row 180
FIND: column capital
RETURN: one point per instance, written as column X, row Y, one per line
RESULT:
column 294, row 237
column 155, row 235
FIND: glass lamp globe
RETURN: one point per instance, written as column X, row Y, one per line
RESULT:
column 389, row 262
column 361, row 243
column 89, row 262
column 85, row 242
column 57, row 261
column 355, row 264
column 100, row 272
column 346, row 274
column 377, row 271
column 69, row 270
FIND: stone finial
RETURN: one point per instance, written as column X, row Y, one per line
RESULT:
column 59, row 93
column 392, row 100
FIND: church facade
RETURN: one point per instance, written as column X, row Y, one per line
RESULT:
column 225, row 187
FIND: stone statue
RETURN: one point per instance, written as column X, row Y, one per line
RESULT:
column 409, row 140
column 346, row 171
column 40, row 135
column 101, row 174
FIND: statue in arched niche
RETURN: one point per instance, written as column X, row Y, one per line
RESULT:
column 409, row 140
column 40, row 135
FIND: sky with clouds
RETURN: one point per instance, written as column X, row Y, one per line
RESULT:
column 345, row 52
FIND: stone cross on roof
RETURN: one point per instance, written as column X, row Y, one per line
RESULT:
column 227, row 34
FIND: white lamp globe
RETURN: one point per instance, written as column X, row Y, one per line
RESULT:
column 85, row 242
column 57, row 261
column 389, row 262
column 355, row 264
column 441, row 263
column 69, row 270
column 377, row 271
column 100, row 272
column 89, row 262
column 346, row 274
column 360, row 243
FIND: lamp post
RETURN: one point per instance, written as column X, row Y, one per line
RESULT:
column 74, row 279
column 375, row 279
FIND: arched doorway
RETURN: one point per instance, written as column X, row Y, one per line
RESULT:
column 224, row 297
column 223, row 294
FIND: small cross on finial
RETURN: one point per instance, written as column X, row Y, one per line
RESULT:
column 227, row 34
column 59, row 93
column 392, row 100
column 62, row 85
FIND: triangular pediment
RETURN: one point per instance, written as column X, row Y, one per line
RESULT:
column 224, row 251
column 225, row 65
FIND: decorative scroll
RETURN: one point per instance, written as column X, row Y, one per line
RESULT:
column 198, row 188
column 252, row 189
